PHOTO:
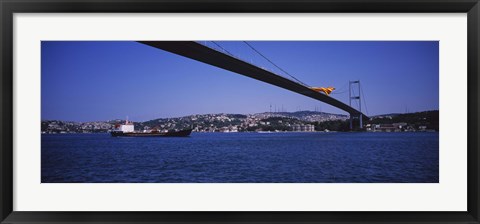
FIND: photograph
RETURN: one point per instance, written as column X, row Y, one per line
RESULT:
column 240, row 111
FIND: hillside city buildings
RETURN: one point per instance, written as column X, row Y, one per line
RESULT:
column 302, row 121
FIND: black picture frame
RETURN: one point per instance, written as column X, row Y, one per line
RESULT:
column 9, row 7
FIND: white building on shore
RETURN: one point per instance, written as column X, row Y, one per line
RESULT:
column 303, row 128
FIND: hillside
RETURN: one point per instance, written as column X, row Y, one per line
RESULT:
column 202, row 122
column 268, row 121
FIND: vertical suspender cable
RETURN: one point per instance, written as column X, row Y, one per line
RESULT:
column 273, row 63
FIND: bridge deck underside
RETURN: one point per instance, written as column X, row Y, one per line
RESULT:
column 199, row 52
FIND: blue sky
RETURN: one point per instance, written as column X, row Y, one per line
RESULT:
column 104, row 80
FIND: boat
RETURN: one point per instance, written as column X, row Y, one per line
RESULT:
column 127, row 130
column 181, row 133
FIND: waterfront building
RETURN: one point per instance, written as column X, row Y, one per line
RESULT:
column 395, row 127
column 303, row 128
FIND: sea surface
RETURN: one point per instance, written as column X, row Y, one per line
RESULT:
column 316, row 157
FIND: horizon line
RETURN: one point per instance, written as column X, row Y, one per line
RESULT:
column 239, row 114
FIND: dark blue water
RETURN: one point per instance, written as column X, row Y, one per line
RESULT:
column 242, row 158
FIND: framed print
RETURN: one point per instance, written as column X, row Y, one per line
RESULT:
column 250, row 112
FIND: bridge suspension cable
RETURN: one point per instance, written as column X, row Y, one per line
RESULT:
column 258, row 52
column 356, row 101
column 339, row 90
column 218, row 45
column 364, row 100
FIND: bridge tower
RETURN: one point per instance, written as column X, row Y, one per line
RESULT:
column 352, row 85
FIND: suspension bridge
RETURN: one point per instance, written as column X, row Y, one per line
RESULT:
column 225, row 60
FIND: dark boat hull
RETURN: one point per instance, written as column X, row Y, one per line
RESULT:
column 182, row 133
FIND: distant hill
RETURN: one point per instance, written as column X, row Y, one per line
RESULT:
column 430, row 119
column 310, row 116
column 267, row 121
column 202, row 122
column 386, row 115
